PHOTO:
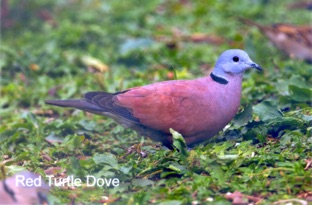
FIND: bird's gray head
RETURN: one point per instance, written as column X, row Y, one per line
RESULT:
column 233, row 62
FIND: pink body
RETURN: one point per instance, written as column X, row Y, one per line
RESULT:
column 191, row 107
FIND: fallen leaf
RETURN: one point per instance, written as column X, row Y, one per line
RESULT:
column 94, row 63
column 309, row 164
column 54, row 170
column 34, row 67
column 241, row 199
column 288, row 201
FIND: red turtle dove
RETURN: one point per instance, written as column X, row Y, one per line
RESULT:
column 296, row 41
column 198, row 109
column 301, row 5
column 23, row 188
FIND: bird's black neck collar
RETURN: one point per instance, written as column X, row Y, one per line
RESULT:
column 218, row 79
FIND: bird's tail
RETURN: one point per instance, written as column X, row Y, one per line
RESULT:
column 76, row 103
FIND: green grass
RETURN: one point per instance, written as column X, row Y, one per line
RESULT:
column 262, row 153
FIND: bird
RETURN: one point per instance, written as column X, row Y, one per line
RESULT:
column 301, row 5
column 198, row 109
column 24, row 188
column 295, row 41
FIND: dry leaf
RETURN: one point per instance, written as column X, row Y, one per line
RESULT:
column 94, row 63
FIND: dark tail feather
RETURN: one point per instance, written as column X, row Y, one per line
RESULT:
column 79, row 104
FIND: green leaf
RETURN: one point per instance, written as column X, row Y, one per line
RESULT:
column 286, row 123
column 52, row 138
column 179, row 142
column 132, row 44
column 78, row 140
column 228, row 156
column 171, row 202
column 300, row 94
column 283, row 85
column 13, row 169
column 88, row 125
column 74, row 167
column 217, row 172
column 174, row 166
column 105, row 173
column 243, row 117
column 31, row 118
column 106, row 158
column 303, row 114
column 266, row 111
column 309, row 133
column 291, row 138
column 220, row 149
column 125, row 169
column 142, row 182
column 258, row 132
column 87, row 163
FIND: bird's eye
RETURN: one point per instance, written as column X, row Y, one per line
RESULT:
column 235, row 59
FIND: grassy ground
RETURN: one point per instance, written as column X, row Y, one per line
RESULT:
column 59, row 50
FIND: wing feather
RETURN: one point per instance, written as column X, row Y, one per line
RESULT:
column 107, row 102
column 163, row 106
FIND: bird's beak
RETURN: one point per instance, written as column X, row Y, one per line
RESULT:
column 256, row 66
